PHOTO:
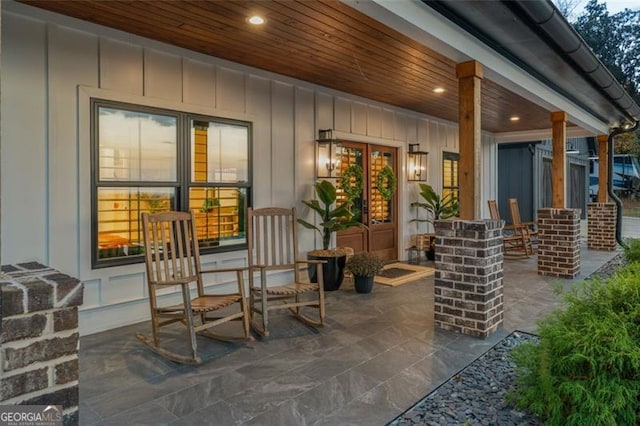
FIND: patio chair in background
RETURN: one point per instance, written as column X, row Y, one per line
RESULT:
column 172, row 260
column 517, row 242
column 531, row 227
column 273, row 248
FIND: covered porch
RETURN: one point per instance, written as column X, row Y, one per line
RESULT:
column 378, row 354
column 391, row 74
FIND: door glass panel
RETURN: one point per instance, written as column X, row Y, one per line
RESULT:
column 350, row 157
column 379, row 208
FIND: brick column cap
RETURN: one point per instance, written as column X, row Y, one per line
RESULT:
column 33, row 287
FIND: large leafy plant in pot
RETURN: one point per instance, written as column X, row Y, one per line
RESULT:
column 437, row 208
column 333, row 218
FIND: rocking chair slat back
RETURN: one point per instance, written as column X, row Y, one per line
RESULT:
column 171, row 257
column 272, row 238
column 494, row 212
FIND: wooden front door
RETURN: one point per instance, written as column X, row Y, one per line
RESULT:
column 372, row 209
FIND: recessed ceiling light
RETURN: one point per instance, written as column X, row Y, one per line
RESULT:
column 438, row 90
column 514, row 118
column 256, row 20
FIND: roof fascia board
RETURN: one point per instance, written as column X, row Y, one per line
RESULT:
column 538, row 134
column 416, row 20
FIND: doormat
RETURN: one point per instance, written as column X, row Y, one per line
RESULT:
column 397, row 273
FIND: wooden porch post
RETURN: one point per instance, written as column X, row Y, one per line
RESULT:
column 603, row 168
column 469, row 126
column 558, row 161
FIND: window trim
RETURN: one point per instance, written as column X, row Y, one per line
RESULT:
column 183, row 170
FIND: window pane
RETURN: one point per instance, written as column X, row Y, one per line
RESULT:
column 119, row 227
column 220, row 215
column 136, row 146
column 219, row 152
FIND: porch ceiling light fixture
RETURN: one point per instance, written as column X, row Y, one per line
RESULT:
column 327, row 155
column 514, row 118
column 256, row 20
column 416, row 163
column 439, row 90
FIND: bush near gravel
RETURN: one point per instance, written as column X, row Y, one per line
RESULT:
column 632, row 251
column 586, row 368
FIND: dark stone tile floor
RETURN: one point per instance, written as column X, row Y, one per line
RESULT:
column 378, row 354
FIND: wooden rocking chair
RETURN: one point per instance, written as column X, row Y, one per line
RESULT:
column 273, row 247
column 531, row 227
column 172, row 259
column 515, row 238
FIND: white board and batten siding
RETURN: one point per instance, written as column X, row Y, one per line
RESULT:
column 53, row 65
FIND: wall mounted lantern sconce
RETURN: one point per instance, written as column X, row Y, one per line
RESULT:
column 327, row 155
column 416, row 163
column 571, row 149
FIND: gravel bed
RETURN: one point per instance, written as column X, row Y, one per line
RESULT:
column 610, row 267
column 475, row 396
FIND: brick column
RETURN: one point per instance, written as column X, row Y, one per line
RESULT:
column 468, row 279
column 39, row 338
column 601, row 226
column 558, row 242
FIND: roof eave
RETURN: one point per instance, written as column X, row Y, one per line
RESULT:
column 558, row 45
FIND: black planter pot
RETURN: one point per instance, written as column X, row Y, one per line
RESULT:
column 430, row 254
column 332, row 271
column 363, row 284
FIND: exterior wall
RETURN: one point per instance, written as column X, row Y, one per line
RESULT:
column 489, row 181
column 53, row 64
column 515, row 180
column 577, row 188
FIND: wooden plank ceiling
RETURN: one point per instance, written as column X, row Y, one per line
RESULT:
column 323, row 42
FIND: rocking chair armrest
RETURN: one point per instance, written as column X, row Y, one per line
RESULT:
column 512, row 227
column 183, row 282
column 213, row 271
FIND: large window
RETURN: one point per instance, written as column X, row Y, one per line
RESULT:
column 450, row 182
column 152, row 160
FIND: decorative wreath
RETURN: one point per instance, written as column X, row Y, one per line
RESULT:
column 352, row 181
column 386, row 182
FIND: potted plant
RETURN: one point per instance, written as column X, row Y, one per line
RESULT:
column 364, row 266
column 438, row 208
column 332, row 219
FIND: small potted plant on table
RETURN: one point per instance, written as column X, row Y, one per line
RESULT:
column 364, row 266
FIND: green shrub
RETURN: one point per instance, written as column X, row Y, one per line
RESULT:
column 586, row 368
column 632, row 251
